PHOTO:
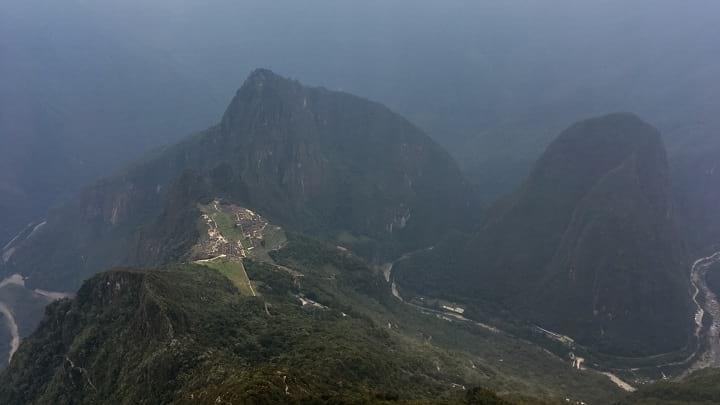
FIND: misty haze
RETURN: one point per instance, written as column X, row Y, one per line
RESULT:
column 329, row 202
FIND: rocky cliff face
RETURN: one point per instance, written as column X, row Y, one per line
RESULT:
column 317, row 152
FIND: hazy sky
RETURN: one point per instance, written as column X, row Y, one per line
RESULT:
column 469, row 63
column 87, row 85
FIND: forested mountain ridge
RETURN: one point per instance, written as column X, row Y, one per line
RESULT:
column 587, row 246
column 310, row 159
column 319, row 326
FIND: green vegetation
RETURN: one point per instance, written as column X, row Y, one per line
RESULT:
column 700, row 388
column 234, row 270
column 505, row 364
column 184, row 334
column 274, row 238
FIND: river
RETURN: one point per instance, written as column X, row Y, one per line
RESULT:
column 12, row 327
column 706, row 301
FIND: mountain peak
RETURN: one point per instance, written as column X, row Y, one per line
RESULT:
column 262, row 76
column 311, row 159
column 620, row 126
column 263, row 93
column 589, row 149
column 261, row 73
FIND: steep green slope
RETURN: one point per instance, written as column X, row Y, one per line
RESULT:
column 309, row 159
column 586, row 247
column 618, row 272
column 318, row 334
column 700, row 388
column 158, row 337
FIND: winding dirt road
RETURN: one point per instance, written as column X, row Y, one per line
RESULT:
column 12, row 327
column 387, row 273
